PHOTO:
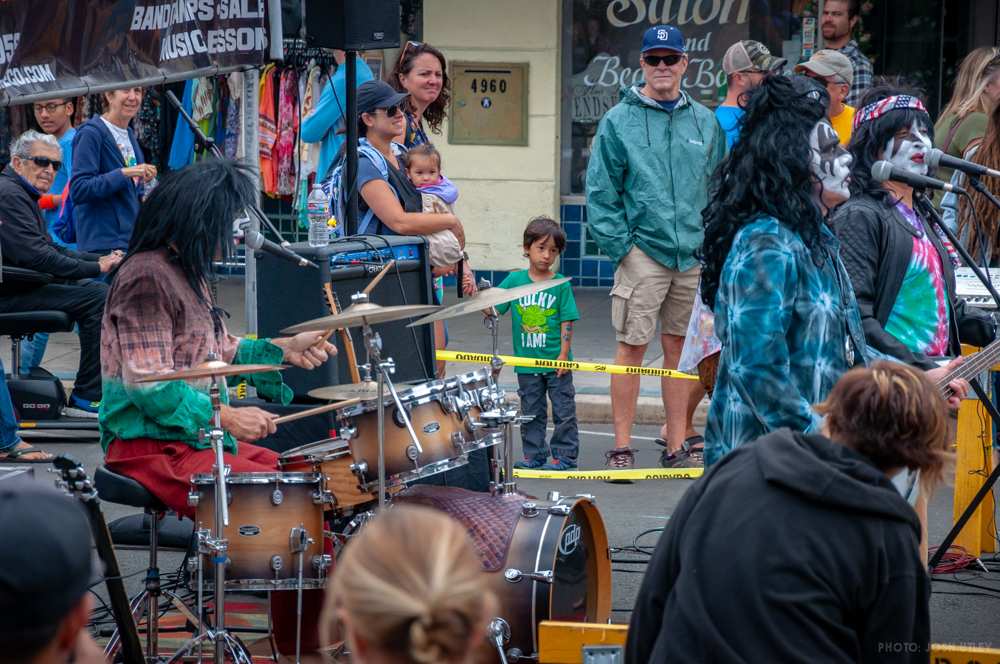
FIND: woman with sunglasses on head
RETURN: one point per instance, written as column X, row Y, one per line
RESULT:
column 422, row 72
column 109, row 175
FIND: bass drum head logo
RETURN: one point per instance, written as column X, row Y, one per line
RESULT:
column 570, row 539
column 249, row 531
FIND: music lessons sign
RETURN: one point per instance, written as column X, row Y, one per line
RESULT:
column 607, row 35
column 75, row 45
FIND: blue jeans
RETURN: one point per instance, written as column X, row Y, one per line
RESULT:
column 33, row 351
column 8, row 421
column 565, row 442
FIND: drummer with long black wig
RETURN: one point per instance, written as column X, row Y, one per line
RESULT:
column 161, row 317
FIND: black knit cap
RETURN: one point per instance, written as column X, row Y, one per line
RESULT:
column 46, row 557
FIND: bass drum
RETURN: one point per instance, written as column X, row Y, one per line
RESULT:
column 546, row 559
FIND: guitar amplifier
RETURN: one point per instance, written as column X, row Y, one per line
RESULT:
column 289, row 294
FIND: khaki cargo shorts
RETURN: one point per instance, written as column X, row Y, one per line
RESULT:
column 646, row 292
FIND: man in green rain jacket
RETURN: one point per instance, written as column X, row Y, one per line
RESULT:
column 647, row 184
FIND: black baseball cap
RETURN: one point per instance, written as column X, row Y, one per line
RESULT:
column 46, row 558
column 376, row 94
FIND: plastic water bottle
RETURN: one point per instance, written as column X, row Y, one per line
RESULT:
column 317, row 213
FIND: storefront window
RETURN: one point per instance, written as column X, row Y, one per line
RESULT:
column 605, row 39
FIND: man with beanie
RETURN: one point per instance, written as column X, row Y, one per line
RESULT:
column 746, row 63
column 46, row 568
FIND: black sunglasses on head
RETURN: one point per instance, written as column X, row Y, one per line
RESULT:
column 669, row 60
column 45, row 162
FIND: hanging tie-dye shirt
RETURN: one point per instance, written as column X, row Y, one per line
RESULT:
column 919, row 318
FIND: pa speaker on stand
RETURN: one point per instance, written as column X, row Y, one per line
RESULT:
column 352, row 25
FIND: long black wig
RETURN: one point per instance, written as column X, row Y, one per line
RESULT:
column 767, row 173
column 191, row 212
column 868, row 141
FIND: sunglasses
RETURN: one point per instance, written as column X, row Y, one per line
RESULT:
column 393, row 111
column 45, row 162
column 669, row 60
column 410, row 44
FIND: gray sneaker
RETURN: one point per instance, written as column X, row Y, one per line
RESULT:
column 620, row 458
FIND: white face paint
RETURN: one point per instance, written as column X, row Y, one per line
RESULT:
column 831, row 163
column 907, row 149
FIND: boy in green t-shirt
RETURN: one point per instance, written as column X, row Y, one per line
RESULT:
column 543, row 328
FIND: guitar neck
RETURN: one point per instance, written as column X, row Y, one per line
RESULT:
column 345, row 336
column 973, row 366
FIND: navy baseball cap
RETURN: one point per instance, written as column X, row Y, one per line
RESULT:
column 378, row 94
column 663, row 36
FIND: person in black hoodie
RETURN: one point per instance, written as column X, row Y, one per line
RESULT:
column 798, row 547
column 25, row 243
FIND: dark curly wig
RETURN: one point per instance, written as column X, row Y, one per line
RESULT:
column 437, row 111
column 868, row 141
column 767, row 173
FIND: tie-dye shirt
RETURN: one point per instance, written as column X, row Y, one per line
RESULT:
column 789, row 327
column 919, row 317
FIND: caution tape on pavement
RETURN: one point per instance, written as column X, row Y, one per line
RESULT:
column 572, row 365
column 630, row 474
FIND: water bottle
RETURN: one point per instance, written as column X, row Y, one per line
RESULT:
column 316, row 212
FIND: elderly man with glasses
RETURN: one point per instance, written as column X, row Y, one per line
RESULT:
column 25, row 243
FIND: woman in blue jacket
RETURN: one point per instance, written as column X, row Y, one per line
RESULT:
column 109, row 175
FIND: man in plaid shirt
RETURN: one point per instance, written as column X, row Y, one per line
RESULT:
column 839, row 19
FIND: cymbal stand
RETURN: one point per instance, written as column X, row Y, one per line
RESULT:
column 217, row 546
column 501, row 415
column 385, row 368
column 299, row 542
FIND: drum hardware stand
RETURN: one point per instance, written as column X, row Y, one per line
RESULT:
column 386, row 367
column 216, row 545
column 499, row 636
column 299, row 541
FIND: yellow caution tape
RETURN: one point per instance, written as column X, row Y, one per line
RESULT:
column 510, row 360
column 633, row 474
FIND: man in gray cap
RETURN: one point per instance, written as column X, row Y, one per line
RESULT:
column 834, row 71
column 47, row 566
column 746, row 63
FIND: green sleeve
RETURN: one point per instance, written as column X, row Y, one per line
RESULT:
column 973, row 128
column 607, row 224
column 567, row 304
column 269, row 385
column 508, row 282
column 172, row 404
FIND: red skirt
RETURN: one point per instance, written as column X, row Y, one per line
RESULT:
column 165, row 468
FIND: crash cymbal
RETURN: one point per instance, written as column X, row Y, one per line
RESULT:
column 212, row 368
column 489, row 297
column 364, row 390
column 360, row 314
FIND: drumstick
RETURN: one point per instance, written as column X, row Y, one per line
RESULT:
column 378, row 277
column 368, row 289
column 315, row 411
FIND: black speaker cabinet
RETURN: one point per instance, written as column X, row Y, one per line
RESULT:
column 289, row 294
column 352, row 25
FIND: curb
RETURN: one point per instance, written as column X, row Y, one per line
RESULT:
column 596, row 409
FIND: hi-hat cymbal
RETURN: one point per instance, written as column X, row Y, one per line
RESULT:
column 361, row 314
column 364, row 390
column 489, row 297
column 211, row 368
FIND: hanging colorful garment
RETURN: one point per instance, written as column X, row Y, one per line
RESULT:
column 147, row 127
column 233, row 143
column 308, row 153
column 288, row 126
column 267, row 132
column 182, row 146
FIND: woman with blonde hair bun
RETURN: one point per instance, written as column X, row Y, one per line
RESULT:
column 409, row 589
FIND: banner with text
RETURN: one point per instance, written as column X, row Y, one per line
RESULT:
column 49, row 46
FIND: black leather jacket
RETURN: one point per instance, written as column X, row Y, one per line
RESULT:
column 876, row 245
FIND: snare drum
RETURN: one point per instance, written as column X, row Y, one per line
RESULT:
column 546, row 559
column 442, row 413
column 266, row 513
column 332, row 459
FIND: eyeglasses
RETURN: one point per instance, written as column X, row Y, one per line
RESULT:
column 669, row 60
column 45, row 162
column 49, row 108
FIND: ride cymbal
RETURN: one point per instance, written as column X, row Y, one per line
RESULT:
column 486, row 298
column 361, row 314
column 211, row 368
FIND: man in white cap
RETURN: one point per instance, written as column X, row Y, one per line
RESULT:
column 746, row 63
column 834, row 71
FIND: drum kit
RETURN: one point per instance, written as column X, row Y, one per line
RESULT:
column 546, row 559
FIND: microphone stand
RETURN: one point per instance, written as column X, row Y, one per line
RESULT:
column 205, row 143
column 930, row 213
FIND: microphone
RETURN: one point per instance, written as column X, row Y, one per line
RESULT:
column 883, row 171
column 258, row 242
column 936, row 158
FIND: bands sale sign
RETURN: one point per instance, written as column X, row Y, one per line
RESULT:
column 76, row 45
